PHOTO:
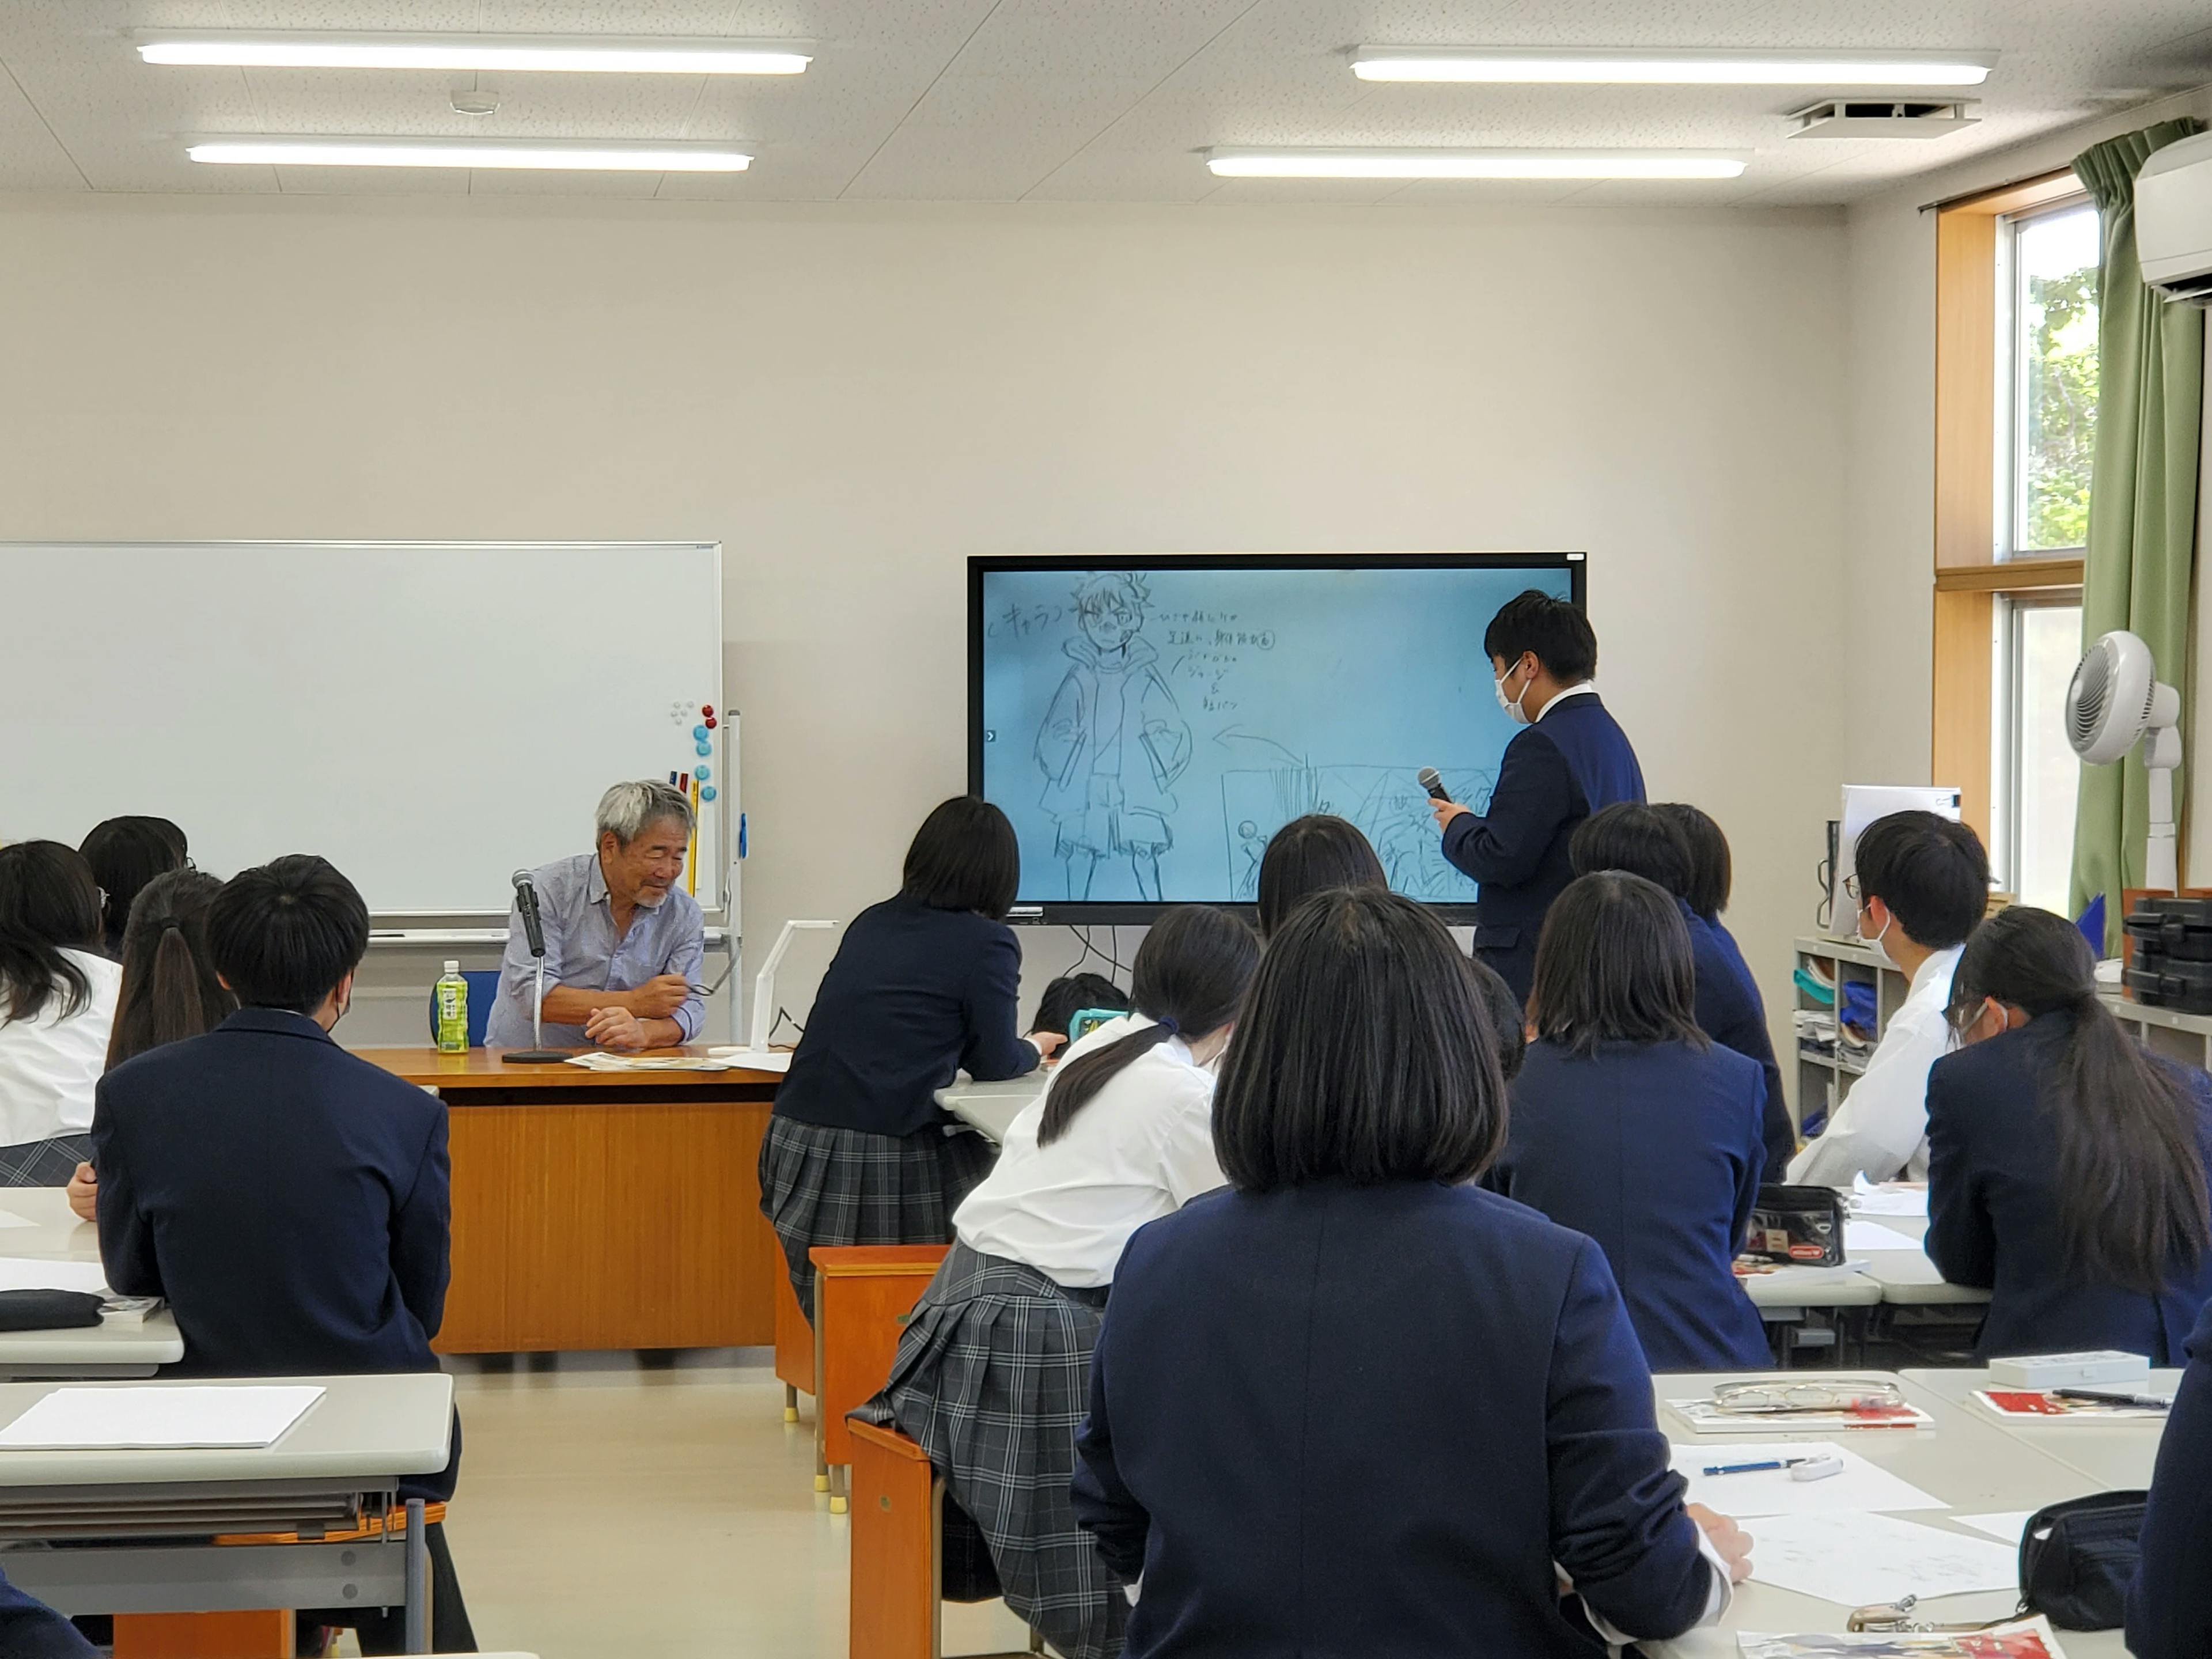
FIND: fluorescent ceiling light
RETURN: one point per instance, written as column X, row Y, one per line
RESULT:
column 629, row 55
column 1475, row 163
column 604, row 156
column 1674, row 67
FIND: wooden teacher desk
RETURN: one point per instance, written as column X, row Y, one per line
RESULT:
column 602, row 1209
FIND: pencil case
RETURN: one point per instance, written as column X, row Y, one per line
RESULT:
column 2077, row 1559
column 1803, row 1226
column 48, row 1310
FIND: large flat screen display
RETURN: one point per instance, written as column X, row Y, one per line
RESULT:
column 1147, row 723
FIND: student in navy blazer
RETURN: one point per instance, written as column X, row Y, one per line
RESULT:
column 2170, row 1611
column 29, row 1629
column 1630, row 1126
column 1354, row 1404
column 1571, row 760
column 1644, row 841
column 288, row 1199
column 2066, row 1164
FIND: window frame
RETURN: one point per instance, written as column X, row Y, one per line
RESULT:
column 2008, row 703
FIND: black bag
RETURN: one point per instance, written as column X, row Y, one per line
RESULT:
column 49, row 1311
column 1803, row 1226
column 2077, row 1559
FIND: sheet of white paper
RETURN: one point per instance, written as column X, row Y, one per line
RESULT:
column 1851, row 1559
column 1868, row 1199
column 1706, row 1417
column 755, row 1059
column 23, row 1272
column 9, row 1218
column 1861, row 1485
column 2008, row 1525
column 1873, row 1236
column 90, row 1419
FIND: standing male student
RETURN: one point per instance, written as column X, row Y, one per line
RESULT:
column 1571, row 760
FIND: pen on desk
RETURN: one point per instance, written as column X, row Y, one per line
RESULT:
column 2147, row 1402
column 1754, row 1468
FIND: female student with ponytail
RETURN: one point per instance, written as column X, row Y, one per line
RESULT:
column 170, row 991
column 2066, row 1163
column 993, row 1370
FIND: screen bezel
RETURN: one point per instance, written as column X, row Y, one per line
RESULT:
column 1074, row 913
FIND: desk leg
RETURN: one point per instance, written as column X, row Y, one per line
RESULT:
column 418, row 1580
column 821, row 1430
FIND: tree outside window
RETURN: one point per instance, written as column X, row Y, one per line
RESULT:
column 2055, row 350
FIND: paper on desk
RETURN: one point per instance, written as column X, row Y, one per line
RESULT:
column 1707, row 1418
column 104, row 1419
column 600, row 1060
column 23, row 1272
column 1888, row 1199
column 2025, row 1639
column 1853, row 1560
column 1861, row 1485
column 1873, row 1236
column 9, row 1218
column 2008, row 1525
column 755, row 1059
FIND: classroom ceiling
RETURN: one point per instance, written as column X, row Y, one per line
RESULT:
column 1087, row 100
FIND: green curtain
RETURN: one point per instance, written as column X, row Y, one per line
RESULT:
column 2142, row 501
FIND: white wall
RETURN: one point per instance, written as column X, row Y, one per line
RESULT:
column 856, row 400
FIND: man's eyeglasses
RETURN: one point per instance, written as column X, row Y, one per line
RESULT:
column 1851, row 887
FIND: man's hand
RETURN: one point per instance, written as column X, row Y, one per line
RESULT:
column 1733, row 1542
column 84, row 1194
column 616, row 1027
column 1446, row 810
column 659, row 996
column 1047, row 1043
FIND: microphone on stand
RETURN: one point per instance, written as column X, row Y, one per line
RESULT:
column 533, row 929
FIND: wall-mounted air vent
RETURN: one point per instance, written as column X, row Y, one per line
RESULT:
column 1883, row 117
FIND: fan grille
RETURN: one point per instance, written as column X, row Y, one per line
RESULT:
column 2085, row 703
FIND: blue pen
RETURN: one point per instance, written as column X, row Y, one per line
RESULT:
column 1754, row 1468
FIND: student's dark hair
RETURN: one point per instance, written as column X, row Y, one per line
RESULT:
column 1311, row 855
column 125, row 854
column 964, row 857
column 1638, row 839
column 170, row 991
column 1614, row 965
column 1507, row 1021
column 285, row 934
column 1071, row 994
column 1931, row 873
column 1712, row 871
column 49, row 903
column 1191, row 975
column 1555, row 629
column 2131, row 1177
column 1362, row 1055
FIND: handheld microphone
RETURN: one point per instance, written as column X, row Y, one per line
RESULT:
column 525, row 901
column 1433, row 781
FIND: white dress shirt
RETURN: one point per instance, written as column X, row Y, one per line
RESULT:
column 1580, row 688
column 1880, row 1130
column 1142, row 1148
column 49, row 1063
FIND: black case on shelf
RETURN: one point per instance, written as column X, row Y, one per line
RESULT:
column 2177, row 929
column 2167, row 982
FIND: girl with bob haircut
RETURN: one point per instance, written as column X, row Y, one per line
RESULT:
column 170, row 988
column 1309, row 855
column 993, row 1367
column 125, row 854
column 2066, row 1163
column 56, row 1006
column 1630, row 1126
column 923, row 985
column 1352, row 1296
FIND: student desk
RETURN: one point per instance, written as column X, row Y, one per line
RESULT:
column 2115, row 1455
column 156, row 1514
column 992, row 1107
column 1908, row 1278
column 97, row 1351
column 601, row 1209
column 1964, row 1459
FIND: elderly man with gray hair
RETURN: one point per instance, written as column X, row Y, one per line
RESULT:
column 623, row 941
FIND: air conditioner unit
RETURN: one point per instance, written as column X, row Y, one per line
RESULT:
column 2173, row 220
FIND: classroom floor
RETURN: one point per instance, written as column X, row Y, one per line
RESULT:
column 611, row 1509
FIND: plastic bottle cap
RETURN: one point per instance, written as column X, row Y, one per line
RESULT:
column 452, row 965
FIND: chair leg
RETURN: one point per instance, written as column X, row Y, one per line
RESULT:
column 790, row 1404
column 840, row 1484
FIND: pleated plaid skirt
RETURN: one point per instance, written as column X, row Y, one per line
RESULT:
column 993, row 1378
column 825, row 1185
column 48, row 1163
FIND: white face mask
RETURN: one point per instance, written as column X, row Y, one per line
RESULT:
column 1875, row 942
column 1514, row 711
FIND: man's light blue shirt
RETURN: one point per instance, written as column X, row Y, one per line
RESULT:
column 582, row 952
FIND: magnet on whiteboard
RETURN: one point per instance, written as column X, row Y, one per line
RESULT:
column 705, row 748
column 702, row 772
column 699, row 732
column 705, row 791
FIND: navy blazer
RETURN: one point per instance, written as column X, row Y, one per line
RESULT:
column 1731, row 1013
column 29, row 1629
column 1993, row 1209
column 1573, row 762
column 913, row 995
column 2170, row 1609
column 1653, row 1150
column 1362, row 1423
column 290, row 1200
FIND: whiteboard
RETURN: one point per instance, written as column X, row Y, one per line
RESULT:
column 428, row 716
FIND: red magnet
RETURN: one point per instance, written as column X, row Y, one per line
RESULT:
column 711, row 722
column 706, row 708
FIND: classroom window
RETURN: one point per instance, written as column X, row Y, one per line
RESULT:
column 2046, row 271
column 2037, row 643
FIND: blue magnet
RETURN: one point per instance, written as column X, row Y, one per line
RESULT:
column 705, row 791
column 702, row 772
column 705, row 748
column 741, row 834
column 699, row 732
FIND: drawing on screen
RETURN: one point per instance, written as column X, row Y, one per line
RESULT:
column 1387, row 802
column 1114, row 741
